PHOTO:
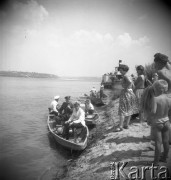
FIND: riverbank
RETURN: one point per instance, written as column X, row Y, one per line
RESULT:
column 108, row 146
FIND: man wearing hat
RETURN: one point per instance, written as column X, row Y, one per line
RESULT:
column 66, row 109
column 53, row 106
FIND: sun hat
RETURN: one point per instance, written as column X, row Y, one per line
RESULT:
column 56, row 97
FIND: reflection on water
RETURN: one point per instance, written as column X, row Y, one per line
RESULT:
column 27, row 150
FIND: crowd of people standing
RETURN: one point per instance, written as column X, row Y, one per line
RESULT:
column 151, row 100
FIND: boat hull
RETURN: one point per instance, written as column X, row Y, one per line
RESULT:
column 91, row 119
column 66, row 143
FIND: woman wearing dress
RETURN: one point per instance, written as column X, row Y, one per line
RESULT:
column 127, row 102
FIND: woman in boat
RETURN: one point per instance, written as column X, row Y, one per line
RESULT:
column 77, row 120
column 127, row 103
column 89, row 108
column 156, row 105
column 139, row 87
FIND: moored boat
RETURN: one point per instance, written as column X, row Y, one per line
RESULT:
column 56, row 129
column 91, row 119
column 96, row 101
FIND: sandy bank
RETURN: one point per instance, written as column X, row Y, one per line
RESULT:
column 107, row 146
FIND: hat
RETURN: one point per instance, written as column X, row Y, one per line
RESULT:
column 56, row 97
column 123, row 67
column 67, row 97
column 76, row 103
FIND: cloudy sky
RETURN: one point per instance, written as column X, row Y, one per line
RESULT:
column 82, row 37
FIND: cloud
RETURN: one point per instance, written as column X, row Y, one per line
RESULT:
column 24, row 13
column 143, row 17
column 83, row 37
column 127, row 41
column 78, row 53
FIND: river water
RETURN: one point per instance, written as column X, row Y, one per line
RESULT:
column 27, row 150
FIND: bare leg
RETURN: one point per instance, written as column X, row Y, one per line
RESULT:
column 120, row 128
column 158, row 142
column 165, row 139
column 121, row 121
column 127, row 119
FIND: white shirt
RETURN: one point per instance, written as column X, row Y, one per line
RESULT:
column 89, row 106
column 78, row 116
column 53, row 105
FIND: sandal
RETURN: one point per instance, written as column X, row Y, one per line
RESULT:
column 119, row 129
column 126, row 127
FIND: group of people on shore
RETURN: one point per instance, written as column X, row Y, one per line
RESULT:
column 151, row 100
column 70, row 115
column 100, row 94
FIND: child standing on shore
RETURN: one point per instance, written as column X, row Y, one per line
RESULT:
column 127, row 103
column 156, row 105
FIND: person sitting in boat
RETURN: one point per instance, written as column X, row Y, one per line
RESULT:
column 93, row 92
column 77, row 120
column 53, row 109
column 66, row 109
column 89, row 108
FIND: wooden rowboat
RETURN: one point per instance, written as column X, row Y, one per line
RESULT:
column 69, row 144
column 91, row 119
column 97, row 101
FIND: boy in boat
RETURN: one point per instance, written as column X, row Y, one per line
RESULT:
column 77, row 120
column 156, row 105
column 53, row 109
column 89, row 108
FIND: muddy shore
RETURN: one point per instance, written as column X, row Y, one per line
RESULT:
column 107, row 146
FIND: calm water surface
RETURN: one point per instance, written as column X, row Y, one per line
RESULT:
column 27, row 150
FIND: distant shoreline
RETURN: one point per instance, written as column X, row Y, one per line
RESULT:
column 26, row 74
column 45, row 75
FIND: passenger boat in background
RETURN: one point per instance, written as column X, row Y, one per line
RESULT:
column 56, row 131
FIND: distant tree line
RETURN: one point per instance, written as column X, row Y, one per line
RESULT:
column 26, row 74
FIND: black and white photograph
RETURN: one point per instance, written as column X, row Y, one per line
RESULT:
column 85, row 89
